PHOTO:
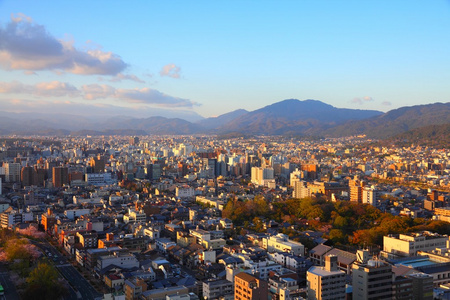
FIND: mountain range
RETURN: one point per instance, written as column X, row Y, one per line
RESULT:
column 287, row 117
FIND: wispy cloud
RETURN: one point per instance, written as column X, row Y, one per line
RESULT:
column 119, row 77
column 52, row 89
column 25, row 45
column 94, row 109
column 170, row 70
column 386, row 103
column 151, row 96
column 361, row 100
column 96, row 91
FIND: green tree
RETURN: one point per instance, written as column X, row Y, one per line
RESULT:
column 337, row 236
column 43, row 284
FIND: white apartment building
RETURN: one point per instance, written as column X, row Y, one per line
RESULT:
column 134, row 216
column 200, row 235
column 263, row 267
column 184, row 192
column 9, row 219
column 98, row 179
column 75, row 213
column 123, row 260
column 281, row 243
column 162, row 244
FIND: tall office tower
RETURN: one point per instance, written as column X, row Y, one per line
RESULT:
column 60, row 176
column 40, row 175
column 49, row 167
column 372, row 279
column 369, row 195
column 356, row 190
column 153, row 171
column 12, row 172
column 261, row 176
column 26, row 176
column 210, row 165
column 249, row 287
column 134, row 141
column 301, row 190
column 97, row 164
column 326, row 283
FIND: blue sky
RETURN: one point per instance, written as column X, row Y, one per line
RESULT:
column 182, row 58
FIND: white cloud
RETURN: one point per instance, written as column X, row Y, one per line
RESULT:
column 386, row 103
column 368, row 98
column 170, row 70
column 25, row 45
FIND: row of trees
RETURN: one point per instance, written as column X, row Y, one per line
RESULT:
column 41, row 279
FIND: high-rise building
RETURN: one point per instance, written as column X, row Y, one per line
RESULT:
column 262, row 176
column 249, row 287
column 301, row 190
column 40, row 175
column 210, row 165
column 356, row 190
column 97, row 164
column 372, row 279
column 153, row 171
column 12, row 172
column 28, row 176
column 326, row 283
column 60, row 176
column 369, row 195
column 422, row 285
column 134, row 141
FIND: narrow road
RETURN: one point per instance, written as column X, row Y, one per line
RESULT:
column 8, row 285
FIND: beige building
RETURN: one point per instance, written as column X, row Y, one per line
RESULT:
column 326, row 283
column 409, row 244
column 214, row 244
column 185, row 239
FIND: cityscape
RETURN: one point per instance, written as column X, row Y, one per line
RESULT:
column 288, row 150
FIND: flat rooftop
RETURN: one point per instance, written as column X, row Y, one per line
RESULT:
column 418, row 262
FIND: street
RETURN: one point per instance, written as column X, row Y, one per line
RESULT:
column 80, row 287
column 78, row 282
column 5, row 281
